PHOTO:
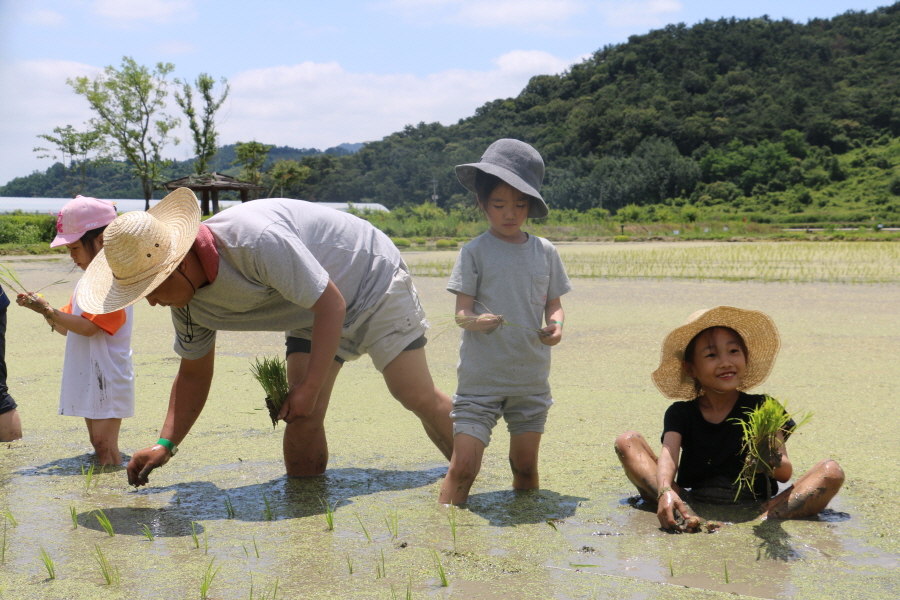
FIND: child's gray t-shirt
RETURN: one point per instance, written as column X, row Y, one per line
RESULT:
column 275, row 259
column 516, row 281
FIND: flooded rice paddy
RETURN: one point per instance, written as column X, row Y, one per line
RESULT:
column 224, row 500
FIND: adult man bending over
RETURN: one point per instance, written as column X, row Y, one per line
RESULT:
column 333, row 282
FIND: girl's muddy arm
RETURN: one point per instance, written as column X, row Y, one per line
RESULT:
column 551, row 335
column 666, row 467
column 468, row 320
column 60, row 322
column 186, row 402
column 783, row 471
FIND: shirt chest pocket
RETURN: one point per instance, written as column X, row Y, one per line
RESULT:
column 539, row 286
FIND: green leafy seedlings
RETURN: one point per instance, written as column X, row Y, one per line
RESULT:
column 10, row 280
column 380, row 568
column 329, row 512
column 365, row 531
column 7, row 514
column 392, row 521
column 48, row 563
column 255, row 547
column 451, row 518
column 671, row 570
column 760, row 439
column 194, row 535
column 104, row 522
column 726, row 572
column 349, row 564
column 271, row 373
column 147, row 533
column 267, row 593
column 207, row 580
column 110, row 574
column 229, row 507
column 88, row 475
column 267, row 511
column 3, row 546
column 74, row 514
column 442, row 575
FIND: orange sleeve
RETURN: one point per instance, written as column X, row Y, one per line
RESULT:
column 67, row 309
column 110, row 323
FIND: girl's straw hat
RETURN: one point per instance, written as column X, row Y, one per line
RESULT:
column 517, row 164
column 756, row 328
column 140, row 249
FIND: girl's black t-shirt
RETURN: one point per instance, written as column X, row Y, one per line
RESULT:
column 711, row 452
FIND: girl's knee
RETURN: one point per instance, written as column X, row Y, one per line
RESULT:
column 626, row 441
column 832, row 471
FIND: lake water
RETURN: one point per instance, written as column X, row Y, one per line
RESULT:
column 54, row 205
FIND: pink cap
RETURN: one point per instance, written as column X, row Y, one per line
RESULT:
column 79, row 216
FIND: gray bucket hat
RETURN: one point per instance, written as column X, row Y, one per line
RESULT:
column 517, row 164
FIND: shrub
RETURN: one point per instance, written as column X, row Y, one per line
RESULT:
column 622, row 238
column 418, row 241
column 446, row 243
column 401, row 242
column 894, row 186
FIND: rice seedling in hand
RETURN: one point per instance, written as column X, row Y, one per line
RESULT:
column 760, row 440
column 442, row 575
column 110, row 573
column 104, row 522
column 329, row 512
column 48, row 563
column 145, row 530
column 10, row 280
column 207, row 580
column 271, row 373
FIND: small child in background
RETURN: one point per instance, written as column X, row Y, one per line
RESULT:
column 708, row 363
column 98, row 378
column 504, row 371
column 10, row 423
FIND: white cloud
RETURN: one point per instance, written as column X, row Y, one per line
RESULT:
column 157, row 11
column 175, row 47
column 40, row 102
column 322, row 105
column 526, row 14
column 643, row 13
column 44, row 18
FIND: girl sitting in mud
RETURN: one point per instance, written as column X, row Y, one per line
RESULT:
column 504, row 372
column 708, row 363
column 98, row 378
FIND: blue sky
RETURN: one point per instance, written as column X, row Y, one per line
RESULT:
column 317, row 74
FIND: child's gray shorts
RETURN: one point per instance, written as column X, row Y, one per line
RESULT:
column 477, row 415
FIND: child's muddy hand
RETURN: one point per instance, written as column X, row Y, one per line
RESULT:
column 33, row 301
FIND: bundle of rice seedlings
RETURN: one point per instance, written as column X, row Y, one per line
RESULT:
column 10, row 280
column 760, row 440
column 271, row 373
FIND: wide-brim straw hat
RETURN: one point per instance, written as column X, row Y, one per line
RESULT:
column 517, row 164
column 140, row 249
column 756, row 328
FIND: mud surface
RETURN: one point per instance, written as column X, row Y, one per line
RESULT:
column 580, row 536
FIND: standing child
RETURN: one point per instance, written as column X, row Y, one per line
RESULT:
column 708, row 363
column 504, row 372
column 10, row 424
column 98, row 379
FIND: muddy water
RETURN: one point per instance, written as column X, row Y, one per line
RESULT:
column 838, row 360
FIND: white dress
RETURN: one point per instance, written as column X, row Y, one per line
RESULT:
column 98, row 377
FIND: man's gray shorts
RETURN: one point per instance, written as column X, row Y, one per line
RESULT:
column 477, row 415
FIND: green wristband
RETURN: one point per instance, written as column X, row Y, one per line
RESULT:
column 558, row 322
column 168, row 445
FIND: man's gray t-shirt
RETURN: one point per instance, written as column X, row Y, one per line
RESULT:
column 516, row 281
column 275, row 259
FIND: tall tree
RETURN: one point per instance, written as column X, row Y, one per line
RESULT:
column 251, row 156
column 203, row 131
column 77, row 150
column 287, row 173
column 129, row 103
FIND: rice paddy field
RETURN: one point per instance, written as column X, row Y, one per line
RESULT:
column 222, row 521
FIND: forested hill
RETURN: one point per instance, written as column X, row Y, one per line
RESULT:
column 750, row 106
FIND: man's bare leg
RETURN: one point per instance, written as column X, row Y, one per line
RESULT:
column 305, row 445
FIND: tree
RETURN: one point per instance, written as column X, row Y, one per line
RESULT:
column 204, row 132
column 287, row 173
column 129, row 104
column 74, row 148
column 251, row 156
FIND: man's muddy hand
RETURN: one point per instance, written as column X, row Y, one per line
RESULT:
column 143, row 462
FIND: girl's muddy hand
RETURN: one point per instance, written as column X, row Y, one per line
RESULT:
column 33, row 301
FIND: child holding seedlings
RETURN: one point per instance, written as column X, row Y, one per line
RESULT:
column 504, row 362
column 708, row 364
column 98, row 379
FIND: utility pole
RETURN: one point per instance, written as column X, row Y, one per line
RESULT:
column 434, row 196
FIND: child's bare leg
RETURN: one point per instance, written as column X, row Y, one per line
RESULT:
column 809, row 495
column 104, row 434
column 639, row 462
column 10, row 426
column 464, row 466
column 523, row 459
